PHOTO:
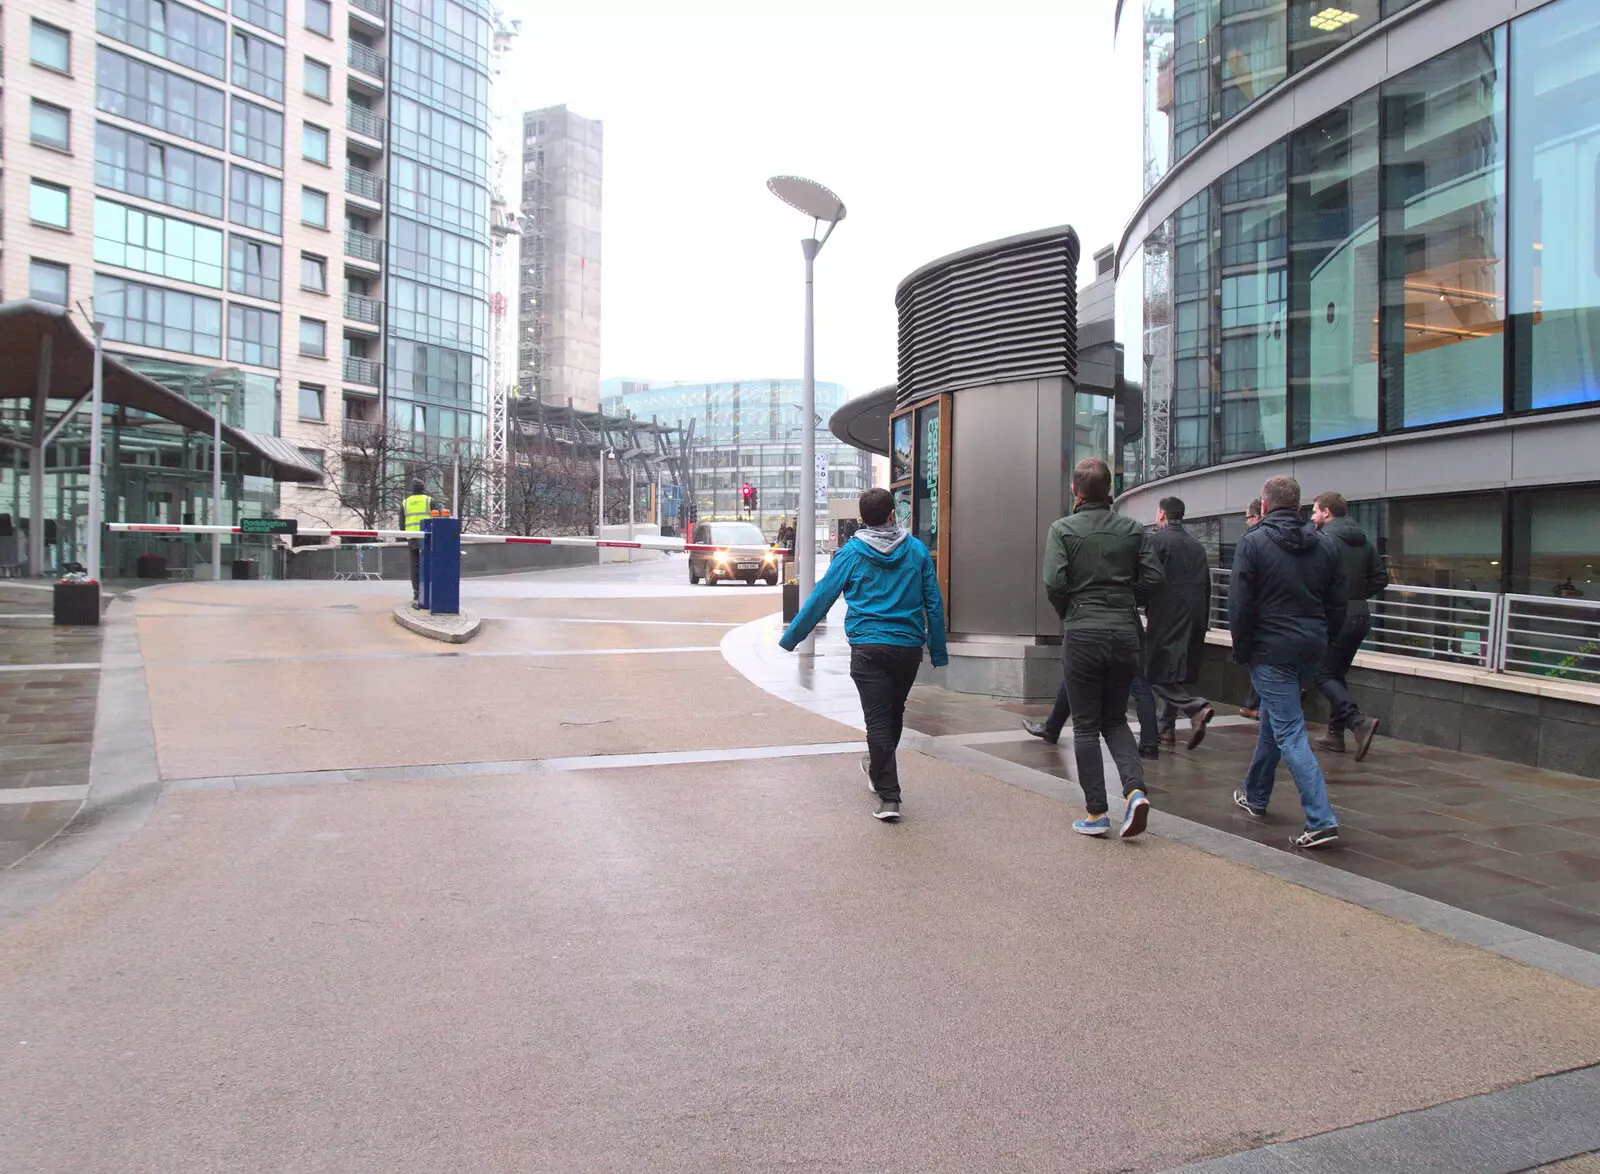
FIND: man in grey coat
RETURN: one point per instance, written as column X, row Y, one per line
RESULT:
column 1178, row 615
column 1365, row 577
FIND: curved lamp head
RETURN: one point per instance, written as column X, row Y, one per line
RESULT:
column 807, row 196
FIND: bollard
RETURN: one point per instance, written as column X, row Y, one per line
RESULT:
column 441, row 565
column 423, row 586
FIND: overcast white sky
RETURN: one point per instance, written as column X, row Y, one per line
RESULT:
column 940, row 123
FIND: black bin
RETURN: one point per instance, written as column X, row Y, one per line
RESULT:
column 77, row 605
column 244, row 568
column 150, row 566
column 791, row 602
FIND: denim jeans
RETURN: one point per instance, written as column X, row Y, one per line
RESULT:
column 884, row 674
column 1283, row 735
column 1330, row 676
column 1099, row 669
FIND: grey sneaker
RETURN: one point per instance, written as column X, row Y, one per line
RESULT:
column 1332, row 741
column 887, row 811
column 1313, row 839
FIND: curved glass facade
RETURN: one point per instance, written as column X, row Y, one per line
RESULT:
column 1425, row 254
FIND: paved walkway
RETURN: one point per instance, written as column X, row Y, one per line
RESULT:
column 581, row 896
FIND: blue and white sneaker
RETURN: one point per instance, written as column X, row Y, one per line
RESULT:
column 1136, row 816
column 1242, row 801
column 1100, row 825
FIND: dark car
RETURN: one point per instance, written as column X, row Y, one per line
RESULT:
column 747, row 564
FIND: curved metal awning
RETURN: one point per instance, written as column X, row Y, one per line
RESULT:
column 24, row 326
column 863, row 422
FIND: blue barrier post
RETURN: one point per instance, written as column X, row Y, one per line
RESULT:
column 424, row 580
column 443, row 566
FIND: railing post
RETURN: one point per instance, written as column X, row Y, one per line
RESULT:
column 1498, row 612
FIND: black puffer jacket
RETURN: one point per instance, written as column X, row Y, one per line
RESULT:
column 1364, row 575
column 1287, row 597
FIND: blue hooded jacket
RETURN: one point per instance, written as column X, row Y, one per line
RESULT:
column 887, row 579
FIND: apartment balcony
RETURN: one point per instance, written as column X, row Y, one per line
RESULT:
column 363, row 247
column 364, row 310
column 365, row 123
column 373, row 12
column 360, row 433
column 362, row 372
column 367, row 61
column 363, row 185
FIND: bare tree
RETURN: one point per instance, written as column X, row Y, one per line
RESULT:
column 369, row 475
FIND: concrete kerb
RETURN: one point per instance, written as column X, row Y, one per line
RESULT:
column 741, row 647
column 451, row 629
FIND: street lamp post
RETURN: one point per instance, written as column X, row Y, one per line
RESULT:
column 822, row 206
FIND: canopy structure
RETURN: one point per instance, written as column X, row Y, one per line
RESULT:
column 863, row 422
column 45, row 356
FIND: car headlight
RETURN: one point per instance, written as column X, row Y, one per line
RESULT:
column 772, row 558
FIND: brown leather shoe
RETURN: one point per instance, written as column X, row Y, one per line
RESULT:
column 1363, row 734
column 1252, row 714
column 1197, row 726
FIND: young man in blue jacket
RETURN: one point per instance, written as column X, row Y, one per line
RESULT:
column 887, row 579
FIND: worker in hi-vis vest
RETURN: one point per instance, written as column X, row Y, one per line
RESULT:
column 416, row 507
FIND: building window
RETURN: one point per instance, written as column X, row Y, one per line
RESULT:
column 1252, row 303
column 254, row 267
column 318, row 80
column 1555, row 207
column 315, row 457
column 144, row 315
column 319, row 17
column 138, row 166
column 50, row 47
column 49, row 204
column 255, row 200
column 419, row 418
column 161, row 246
column 313, row 273
column 310, row 397
column 314, row 143
column 179, row 34
column 49, row 126
column 313, row 207
column 1447, row 542
column 257, row 132
column 1317, row 28
column 257, row 65
column 252, row 336
column 158, row 98
column 1333, row 294
column 313, row 338
column 1444, row 236
column 264, row 14
column 47, row 282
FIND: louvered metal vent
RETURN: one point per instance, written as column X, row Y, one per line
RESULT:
column 998, row 313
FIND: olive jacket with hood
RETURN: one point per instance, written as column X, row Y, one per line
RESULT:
column 1287, row 597
column 887, row 580
column 1364, row 574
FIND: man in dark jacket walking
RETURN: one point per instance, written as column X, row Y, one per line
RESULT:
column 1364, row 578
column 1179, row 612
column 1286, row 601
column 886, row 577
column 1098, row 567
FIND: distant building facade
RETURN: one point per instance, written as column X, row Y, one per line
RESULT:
column 558, row 344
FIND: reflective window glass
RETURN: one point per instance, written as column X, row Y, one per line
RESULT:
column 1555, row 205
column 313, row 207
column 310, row 402
column 314, row 143
column 174, row 31
column 1333, row 294
column 1449, row 542
column 49, row 46
column 257, row 133
column 1444, row 236
column 145, row 315
column 264, row 14
column 252, row 336
column 257, row 65
column 162, row 246
column 313, row 337
column 131, row 163
column 50, row 126
column 255, row 200
column 1252, row 303
column 319, row 17
column 49, row 203
column 1250, row 41
column 1555, row 543
column 317, row 79
column 1318, row 27
column 158, row 98
column 254, row 267
column 47, row 282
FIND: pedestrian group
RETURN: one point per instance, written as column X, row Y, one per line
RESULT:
column 1297, row 611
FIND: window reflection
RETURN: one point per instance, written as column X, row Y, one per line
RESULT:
column 1449, row 542
column 1334, row 283
column 1555, row 173
column 1444, row 236
column 1318, row 27
column 1252, row 57
column 1556, row 543
column 1253, row 303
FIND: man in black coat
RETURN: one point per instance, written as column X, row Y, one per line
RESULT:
column 1286, row 601
column 1178, row 614
column 1365, row 577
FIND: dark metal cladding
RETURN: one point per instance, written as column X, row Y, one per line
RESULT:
column 997, row 313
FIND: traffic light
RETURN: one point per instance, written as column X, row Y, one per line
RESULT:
column 747, row 495
column 754, row 497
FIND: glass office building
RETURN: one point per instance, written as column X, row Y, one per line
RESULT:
column 1367, row 252
column 748, row 433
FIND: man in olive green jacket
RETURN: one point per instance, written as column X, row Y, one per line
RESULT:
column 1098, row 567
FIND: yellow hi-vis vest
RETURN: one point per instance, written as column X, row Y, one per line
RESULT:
column 417, row 507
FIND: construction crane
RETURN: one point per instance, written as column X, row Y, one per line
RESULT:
column 504, row 223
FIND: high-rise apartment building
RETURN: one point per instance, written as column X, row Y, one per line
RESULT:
column 280, row 207
column 558, row 351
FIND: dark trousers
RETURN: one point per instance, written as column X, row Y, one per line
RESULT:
column 1144, row 704
column 1331, row 673
column 1175, row 697
column 884, row 674
column 1099, row 669
column 415, row 549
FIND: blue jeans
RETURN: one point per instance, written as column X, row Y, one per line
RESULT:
column 1283, row 735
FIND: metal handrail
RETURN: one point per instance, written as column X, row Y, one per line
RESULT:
column 375, row 7
column 363, row 246
column 363, row 184
column 360, row 308
column 1551, row 637
column 364, row 122
column 367, row 60
column 364, row 372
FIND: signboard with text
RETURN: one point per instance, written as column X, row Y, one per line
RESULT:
column 269, row 526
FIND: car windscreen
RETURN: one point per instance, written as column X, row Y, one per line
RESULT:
column 736, row 534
